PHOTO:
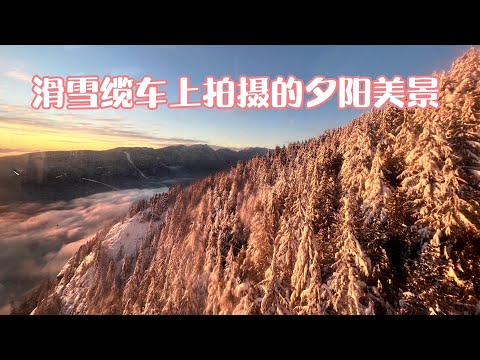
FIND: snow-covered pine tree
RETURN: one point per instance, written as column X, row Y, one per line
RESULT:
column 377, row 195
column 274, row 300
column 260, row 242
column 306, row 275
column 352, row 266
column 377, row 190
column 228, row 298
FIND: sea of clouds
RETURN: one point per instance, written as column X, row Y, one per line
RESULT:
column 36, row 240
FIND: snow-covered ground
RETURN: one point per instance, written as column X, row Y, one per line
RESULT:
column 128, row 233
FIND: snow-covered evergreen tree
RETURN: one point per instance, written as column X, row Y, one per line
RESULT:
column 352, row 266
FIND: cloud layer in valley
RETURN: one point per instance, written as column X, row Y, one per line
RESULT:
column 36, row 240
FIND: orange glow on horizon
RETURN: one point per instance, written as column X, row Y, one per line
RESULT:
column 18, row 139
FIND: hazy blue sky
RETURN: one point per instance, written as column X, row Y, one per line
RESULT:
column 22, row 127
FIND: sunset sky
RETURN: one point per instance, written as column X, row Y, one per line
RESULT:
column 23, row 129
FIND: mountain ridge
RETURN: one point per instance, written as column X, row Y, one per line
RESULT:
column 59, row 175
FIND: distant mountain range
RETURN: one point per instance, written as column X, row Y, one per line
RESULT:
column 64, row 175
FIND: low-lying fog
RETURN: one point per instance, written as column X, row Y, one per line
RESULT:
column 36, row 240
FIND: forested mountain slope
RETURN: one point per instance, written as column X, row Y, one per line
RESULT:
column 379, row 217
